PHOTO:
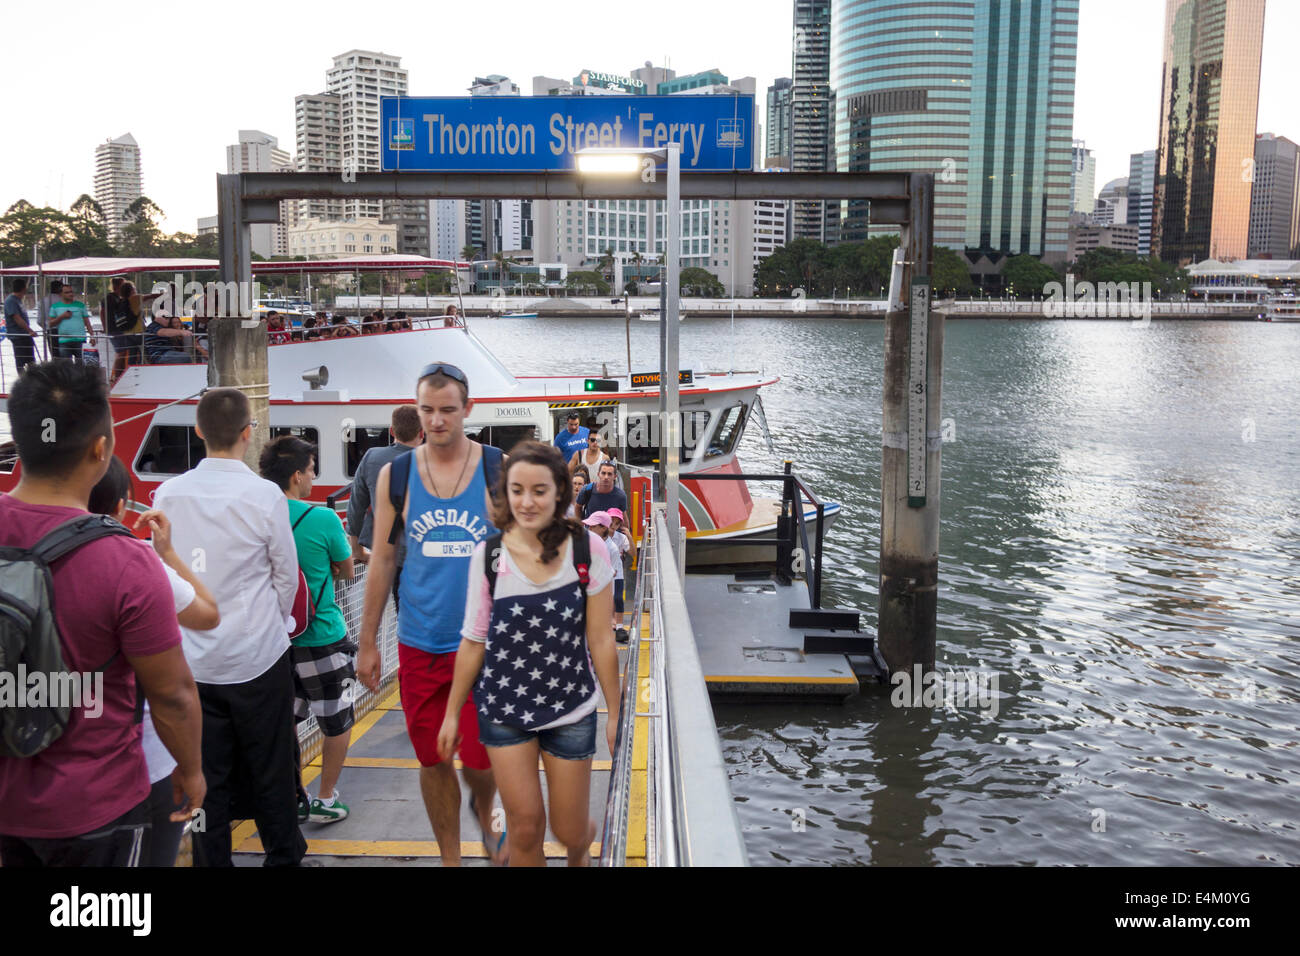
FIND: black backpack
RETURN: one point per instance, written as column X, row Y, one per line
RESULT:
column 29, row 634
column 581, row 559
column 400, row 473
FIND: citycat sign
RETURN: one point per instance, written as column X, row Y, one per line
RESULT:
column 475, row 133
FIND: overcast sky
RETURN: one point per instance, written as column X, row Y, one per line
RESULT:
column 184, row 79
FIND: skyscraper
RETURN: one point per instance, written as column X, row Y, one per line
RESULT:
column 1141, row 194
column 318, row 132
column 979, row 92
column 1275, row 199
column 778, row 124
column 258, row 152
column 1208, row 104
column 117, row 180
column 1083, row 178
column 810, row 108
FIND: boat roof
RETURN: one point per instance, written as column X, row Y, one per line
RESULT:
column 384, row 368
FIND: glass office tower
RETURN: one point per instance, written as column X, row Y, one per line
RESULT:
column 1209, row 99
column 981, row 93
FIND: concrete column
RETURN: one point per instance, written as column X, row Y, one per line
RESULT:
column 909, row 536
column 237, row 343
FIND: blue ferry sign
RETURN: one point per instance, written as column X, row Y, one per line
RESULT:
column 476, row 133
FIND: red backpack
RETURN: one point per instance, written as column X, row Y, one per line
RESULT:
column 304, row 605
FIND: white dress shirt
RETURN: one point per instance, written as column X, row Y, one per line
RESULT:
column 232, row 528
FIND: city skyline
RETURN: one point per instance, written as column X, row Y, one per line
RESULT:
column 1116, row 109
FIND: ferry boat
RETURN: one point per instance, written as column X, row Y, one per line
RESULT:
column 293, row 309
column 1281, row 308
column 368, row 377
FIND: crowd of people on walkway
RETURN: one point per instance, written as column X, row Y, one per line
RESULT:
column 222, row 633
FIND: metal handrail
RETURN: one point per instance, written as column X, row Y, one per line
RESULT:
column 785, row 540
column 705, row 830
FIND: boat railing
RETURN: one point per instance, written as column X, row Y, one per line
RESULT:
column 670, row 801
column 796, row 553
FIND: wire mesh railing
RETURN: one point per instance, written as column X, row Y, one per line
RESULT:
column 350, row 597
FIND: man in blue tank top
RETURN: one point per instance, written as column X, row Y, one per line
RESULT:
column 446, row 512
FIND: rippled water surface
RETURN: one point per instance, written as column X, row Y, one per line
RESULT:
column 1120, row 548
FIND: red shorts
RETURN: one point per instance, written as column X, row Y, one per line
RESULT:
column 424, row 682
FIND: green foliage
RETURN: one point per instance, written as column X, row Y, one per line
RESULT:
column 700, row 282
column 950, row 276
column 851, row 268
column 1114, row 265
column 592, row 283
column 1024, row 277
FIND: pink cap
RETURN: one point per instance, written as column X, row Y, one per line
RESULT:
column 597, row 518
column 616, row 513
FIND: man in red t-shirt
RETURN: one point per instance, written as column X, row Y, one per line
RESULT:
column 83, row 800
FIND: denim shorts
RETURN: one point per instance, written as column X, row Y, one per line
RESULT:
column 576, row 741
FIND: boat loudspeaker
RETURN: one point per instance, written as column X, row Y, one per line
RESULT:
column 316, row 377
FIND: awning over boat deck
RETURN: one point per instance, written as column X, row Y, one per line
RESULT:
column 113, row 266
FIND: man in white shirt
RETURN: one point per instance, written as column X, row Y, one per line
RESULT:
column 233, row 528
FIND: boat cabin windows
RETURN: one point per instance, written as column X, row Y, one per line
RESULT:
column 643, row 440
column 169, row 450
column 175, row 449
column 360, row 439
column 306, row 434
column 728, row 434
column 504, row 437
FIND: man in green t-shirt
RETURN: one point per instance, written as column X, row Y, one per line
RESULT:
column 71, row 320
column 324, row 674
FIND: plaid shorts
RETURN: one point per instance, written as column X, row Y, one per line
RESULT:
column 324, row 685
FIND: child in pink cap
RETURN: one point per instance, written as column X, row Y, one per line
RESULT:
column 599, row 522
column 623, row 545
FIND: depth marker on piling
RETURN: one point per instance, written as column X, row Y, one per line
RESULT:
column 918, row 388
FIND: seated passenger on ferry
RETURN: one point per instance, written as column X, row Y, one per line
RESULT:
column 276, row 333
column 341, row 328
column 451, row 318
column 399, row 322
column 167, row 342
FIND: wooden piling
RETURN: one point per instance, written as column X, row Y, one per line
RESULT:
column 909, row 536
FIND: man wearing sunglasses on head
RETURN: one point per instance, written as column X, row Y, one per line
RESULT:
column 438, row 496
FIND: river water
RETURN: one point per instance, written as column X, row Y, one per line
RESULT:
column 1120, row 551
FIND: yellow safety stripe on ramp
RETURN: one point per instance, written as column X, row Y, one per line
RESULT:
column 243, row 833
column 410, row 763
column 418, row 848
column 776, row 679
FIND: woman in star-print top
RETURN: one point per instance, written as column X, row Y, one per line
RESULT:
column 534, row 650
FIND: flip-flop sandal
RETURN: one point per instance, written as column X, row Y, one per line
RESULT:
column 500, row 843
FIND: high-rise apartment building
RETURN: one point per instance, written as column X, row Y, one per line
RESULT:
column 811, row 108
column 1208, row 105
column 1112, row 204
column 1083, row 178
column 318, row 135
column 1275, row 199
column 446, row 228
column 258, row 152
column 979, row 92
column 1141, row 196
column 777, row 152
column 117, row 180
